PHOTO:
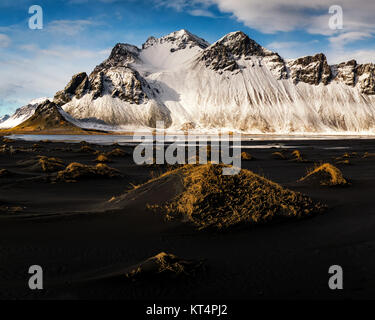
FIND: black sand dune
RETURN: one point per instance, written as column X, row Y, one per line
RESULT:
column 61, row 228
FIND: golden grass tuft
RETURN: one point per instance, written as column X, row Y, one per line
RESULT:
column 102, row 158
column 87, row 149
column 368, row 155
column 279, row 155
column 163, row 264
column 76, row 171
column 4, row 173
column 50, row 164
column 344, row 162
column 43, row 164
column 211, row 199
column 298, row 157
column 246, row 156
column 117, row 152
column 326, row 175
column 7, row 140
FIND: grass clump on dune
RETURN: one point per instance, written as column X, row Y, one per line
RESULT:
column 43, row 164
column 246, row 156
column 326, row 175
column 102, row 158
column 76, row 171
column 298, row 157
column 117, row 152
column 210, row 199
column 5, row 173
column 368, row 155
column 163, row 264
column 279, row 155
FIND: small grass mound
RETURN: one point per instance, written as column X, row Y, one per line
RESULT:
column 7, row 140
column 76, row 171
column 4, row 149
column 368, row 155
column 4, row 173
column 102, row 158
column 87, row 149
column 246, row 156
column 117, row 152
column 163, row 264
column 279, row 155
column 298, row 157
column 210, row 199
column 43, row 164
column 343, row 162
column 325, row 175
column 8, row 209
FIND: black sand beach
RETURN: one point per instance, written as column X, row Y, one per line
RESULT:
column 60, row 226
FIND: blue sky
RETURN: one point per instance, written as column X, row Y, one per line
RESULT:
column 79, row 34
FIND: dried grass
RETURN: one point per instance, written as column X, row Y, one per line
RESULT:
column 326, row 175
column 211, row 199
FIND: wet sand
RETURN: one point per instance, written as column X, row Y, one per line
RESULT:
column 55, row 225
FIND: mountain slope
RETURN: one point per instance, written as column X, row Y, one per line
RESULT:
column 48, row 117
column 22, row 114
column 234, row 83
column 4, row 118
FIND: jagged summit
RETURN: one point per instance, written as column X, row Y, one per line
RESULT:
column 239, row 43
column 224, row 55
column 180, row 39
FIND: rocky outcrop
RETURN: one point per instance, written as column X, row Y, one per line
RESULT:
column 122, row 55
column 366, row 78
column 353, row 74
column 346, row 72
column 224, row 54
column 122, row 82
column 77, row 87
column 311, row 69
column 114, row 76
column 218, row 58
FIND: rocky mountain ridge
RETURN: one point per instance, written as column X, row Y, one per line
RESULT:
column 234, row 83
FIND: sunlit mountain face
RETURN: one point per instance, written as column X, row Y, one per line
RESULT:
column 234, row 83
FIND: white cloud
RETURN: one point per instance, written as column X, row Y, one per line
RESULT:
column 287, row 15
column 201, row 13
column 69, row 27
column 276, row 45
column 4, row 40
column 361, row 56
column 348, row 37
column 38, row 72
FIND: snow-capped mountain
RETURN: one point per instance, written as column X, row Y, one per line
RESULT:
column 4, row 118
column 234, row 83
column 22, row 114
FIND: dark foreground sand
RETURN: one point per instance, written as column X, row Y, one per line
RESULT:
column 55, row 226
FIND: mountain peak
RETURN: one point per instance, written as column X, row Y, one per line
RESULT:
column 239, row 43
column 179, row 39
column 4, row 118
